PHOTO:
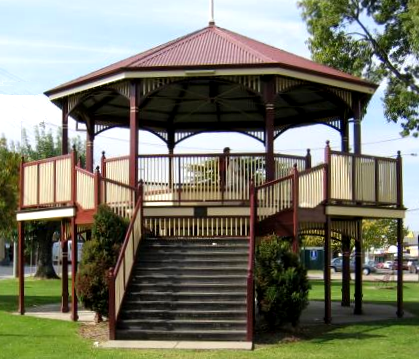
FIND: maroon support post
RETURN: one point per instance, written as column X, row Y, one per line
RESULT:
column 64, row 279
column 358, row 270
column 326, row 273
column 90, row 137
column 295, row 200
column 269, row 97
column 64, row 140
column 400, row 311
column 346, row 274
column 133, row 128
column 250, row 281
column 112, row 312
column 21, row 234
column 74, row 246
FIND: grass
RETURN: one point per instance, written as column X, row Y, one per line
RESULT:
column 28, row 337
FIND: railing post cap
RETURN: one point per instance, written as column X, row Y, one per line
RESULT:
column 110, row 272
column 74, row 148
column 327, row 143
column 308, row 151
column 97, row 169
column 399, row 154
column 141, row 182
column 103, row 153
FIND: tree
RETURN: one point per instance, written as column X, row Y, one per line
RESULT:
column 376, row 39
column 99, row 254
column 380, row 233
column 281, row 282
column 45, row 146
column 9, row 185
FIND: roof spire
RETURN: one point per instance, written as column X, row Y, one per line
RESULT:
column 211, row 20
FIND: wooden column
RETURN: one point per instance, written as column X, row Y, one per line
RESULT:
column 21, row 255
column 133, row 128
column 358, row 270
column 346, row 240
column 326, row 272
column 64, row 279
column 269, row 97
column 73, row 230
column 64, row 129
column 346, row 273
column 90, row 138
column 400, row 311
column 357, row 125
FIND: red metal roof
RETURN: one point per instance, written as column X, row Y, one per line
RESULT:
column 216, row 47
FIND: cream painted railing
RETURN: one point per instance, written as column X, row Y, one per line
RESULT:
column 311, row 187
column 119, row 197
column 116, row 169
column 85, row 189
column 46, row 182
column 120, row 275
column 274, row 197
column 208, row 177
column 235, row 226
column 360, row 178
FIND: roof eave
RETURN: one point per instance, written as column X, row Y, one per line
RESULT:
column 181, row 71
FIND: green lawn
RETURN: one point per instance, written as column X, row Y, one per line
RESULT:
column 26, row 337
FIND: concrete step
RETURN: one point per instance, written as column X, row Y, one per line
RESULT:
column 182, row 324
column 183, row 314
column 181, row 279
column 150, row 334
column 183, row 270
column 204, row 297
column 187, row 287
column 185, row 305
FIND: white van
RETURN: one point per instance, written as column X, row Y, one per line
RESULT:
column 57, row 253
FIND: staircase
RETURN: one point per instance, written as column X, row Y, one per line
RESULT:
column 187, row 289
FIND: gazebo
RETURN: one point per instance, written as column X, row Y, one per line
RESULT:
column 212, row 80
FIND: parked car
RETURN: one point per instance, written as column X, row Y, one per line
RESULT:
column 413, row 266
column 396, row 265
column 336, row 266
column 388, row 265
column 57, row 252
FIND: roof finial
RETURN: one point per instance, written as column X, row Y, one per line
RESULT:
column 211, row 20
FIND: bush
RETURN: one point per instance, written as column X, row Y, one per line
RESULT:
column 281, row 282
column 99, row 254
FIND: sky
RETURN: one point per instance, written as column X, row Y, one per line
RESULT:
column 45, row 43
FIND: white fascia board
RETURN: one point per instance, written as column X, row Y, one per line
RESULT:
column 218, row 72
column 365, row 212
column 46, row 214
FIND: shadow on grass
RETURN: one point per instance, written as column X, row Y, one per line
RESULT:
column 9, row 303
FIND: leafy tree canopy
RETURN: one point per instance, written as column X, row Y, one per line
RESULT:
column 9, row 184
column 376, row 39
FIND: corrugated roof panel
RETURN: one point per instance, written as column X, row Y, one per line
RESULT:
column 213, row 46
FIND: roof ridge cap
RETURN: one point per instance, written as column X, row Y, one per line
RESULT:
column 229, row 34
column 162, row 49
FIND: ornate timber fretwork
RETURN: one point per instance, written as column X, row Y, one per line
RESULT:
column 251, row 82
column 151, row 85
column 258, row 135
column 121, row 87
column 73, row 101
column 284, row 83
column 180, row 136
column 332, row 122
column 339, row 229
column 346, row 96
column 103, row 128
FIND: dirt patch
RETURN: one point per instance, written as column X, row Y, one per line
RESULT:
column 95, row 332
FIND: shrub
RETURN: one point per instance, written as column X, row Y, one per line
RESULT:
column 281, row 282
column 99, row 254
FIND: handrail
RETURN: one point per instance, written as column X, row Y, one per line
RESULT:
column 250, row 302
column 118, row 277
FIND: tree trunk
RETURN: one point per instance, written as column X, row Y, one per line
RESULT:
column 45, row 269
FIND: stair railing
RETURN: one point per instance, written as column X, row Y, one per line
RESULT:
column 118, row 277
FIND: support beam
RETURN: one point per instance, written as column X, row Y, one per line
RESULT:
column 64, row 279
column 21, row 255
column 346, row 273
column 357, row 125
column 326, row 272
column 269, row 97
column 90, row 138
column 64, row 129
column 358, row 270
column 133, row 128
column 400, row 311
column 74, row 246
